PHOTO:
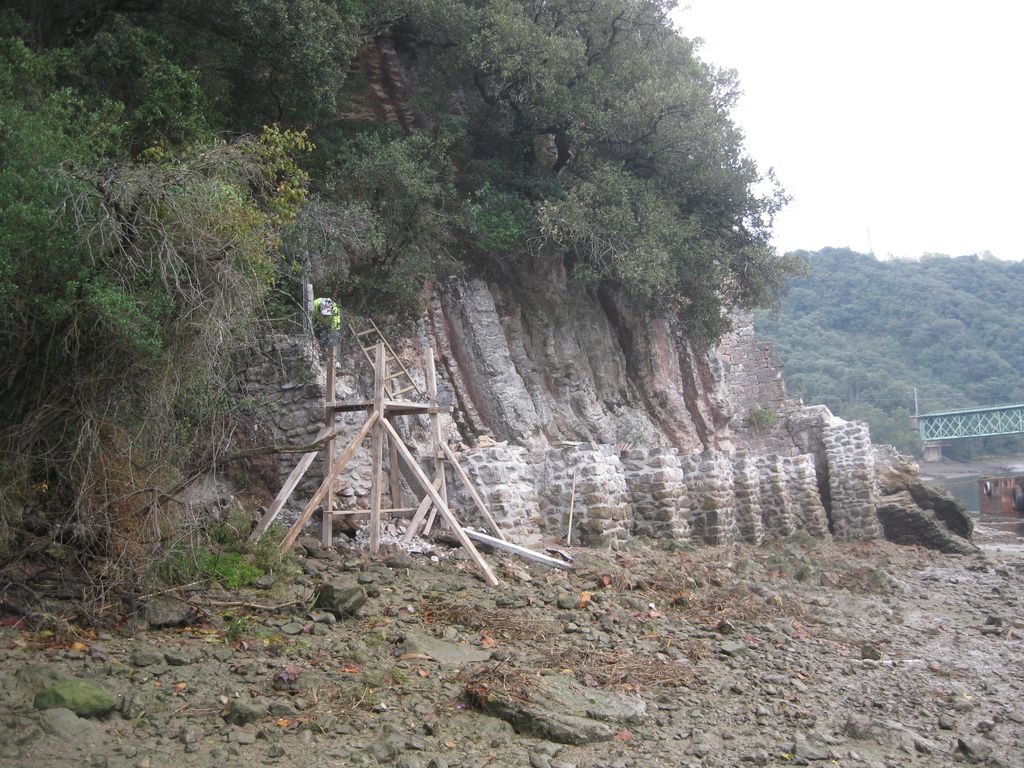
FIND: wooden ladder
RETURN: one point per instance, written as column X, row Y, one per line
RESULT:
column 398, row 381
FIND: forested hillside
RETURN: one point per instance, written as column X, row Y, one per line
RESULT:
column 168, row 169
column 858, row 335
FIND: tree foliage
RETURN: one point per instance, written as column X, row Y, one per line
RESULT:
column 643, row 184
column 147, row 210
column 128, row 289
column 860, row 335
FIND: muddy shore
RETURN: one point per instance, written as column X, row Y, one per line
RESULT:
column 798, row 653
column 948, row 469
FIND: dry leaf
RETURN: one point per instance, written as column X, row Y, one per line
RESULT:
column 284, row 722
column 417, row 656
column 78, row 645
column 585, row 599
column 422, row 673
column 623, row 736
column 289, row 674
column 451, row 744
column 489, row 642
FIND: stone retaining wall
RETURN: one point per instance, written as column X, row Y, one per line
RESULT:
column 658, row 494
column 504, row 478
column 590, row 480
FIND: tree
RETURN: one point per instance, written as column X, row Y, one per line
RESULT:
column 861, row 335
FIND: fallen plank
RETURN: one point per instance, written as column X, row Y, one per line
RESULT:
column 515, row 549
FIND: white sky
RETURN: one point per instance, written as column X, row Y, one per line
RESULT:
column 895, row 125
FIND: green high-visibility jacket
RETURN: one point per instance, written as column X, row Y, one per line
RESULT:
column 332, row 321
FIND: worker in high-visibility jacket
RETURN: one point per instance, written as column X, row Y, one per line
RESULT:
column 326, row 318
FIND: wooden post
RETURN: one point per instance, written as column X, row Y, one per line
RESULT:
column 435, row 433
column 435, row 425
column 307, row 304
column 449, row 518
column 327, row 524
column 572, row 502
column 379, row 376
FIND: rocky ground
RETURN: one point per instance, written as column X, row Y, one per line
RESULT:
column 799, row 653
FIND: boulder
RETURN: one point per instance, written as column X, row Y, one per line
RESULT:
column 904, row 522
column 65, row 724
column 342, row 597
column 166, row 611
column 563, row 710
column 443, row 652
column 82, row 697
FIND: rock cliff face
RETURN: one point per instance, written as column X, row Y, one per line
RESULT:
column 567, row 403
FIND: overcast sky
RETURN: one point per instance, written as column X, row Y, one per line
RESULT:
column 895, row 125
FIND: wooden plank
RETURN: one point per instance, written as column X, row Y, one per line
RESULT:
column 435, row 435
column 339, row 465
column 286, row 490
column 515, row 549
column 326, row 525
column 428, row 486
column 460, row 473
column 379, row 373
column 421, row 512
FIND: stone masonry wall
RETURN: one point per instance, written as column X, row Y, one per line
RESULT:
column 747, row 487
column 658, row 492
column 602, row 513
column 288, row 377
column 851, row 480
column 752, row 370
column 709, row 478
column 504, row 478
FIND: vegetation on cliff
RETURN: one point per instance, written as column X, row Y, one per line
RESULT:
column 166, row 167
column 860, row 335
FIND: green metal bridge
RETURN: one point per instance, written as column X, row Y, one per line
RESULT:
column 971, row 422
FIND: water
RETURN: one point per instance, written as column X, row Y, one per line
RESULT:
column 966, row 489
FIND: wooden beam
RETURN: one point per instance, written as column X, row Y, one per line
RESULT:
column 286, row 490
column 326, row 526
column 340, row 464
column 472, row 491
column 379, row 374
column 421, row 512
column 393, row 407
column 428, row 486
column 515, row 549
column 435, row 433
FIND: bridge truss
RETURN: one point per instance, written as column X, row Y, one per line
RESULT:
column 971, row 422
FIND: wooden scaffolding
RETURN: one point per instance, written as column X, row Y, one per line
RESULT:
column 380, row 423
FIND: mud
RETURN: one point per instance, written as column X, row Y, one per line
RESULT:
column 799, row 653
